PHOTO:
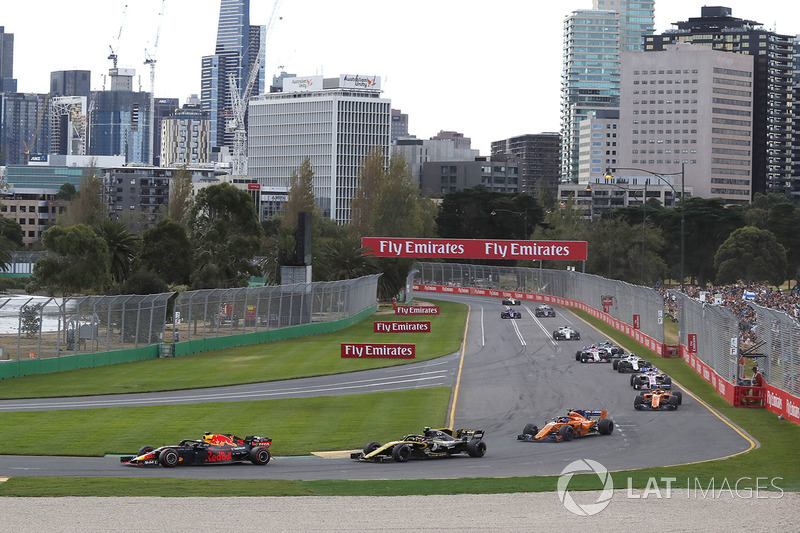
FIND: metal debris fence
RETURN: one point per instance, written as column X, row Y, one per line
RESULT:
column 624, row 300
column 778, row 348
column 41, row 327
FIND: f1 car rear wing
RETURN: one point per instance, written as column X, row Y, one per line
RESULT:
column 587, row 413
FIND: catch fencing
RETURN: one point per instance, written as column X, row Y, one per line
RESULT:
column 777, row 350
column 639, row 307
column 33, row 327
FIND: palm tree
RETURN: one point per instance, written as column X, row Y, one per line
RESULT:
column 122, row 246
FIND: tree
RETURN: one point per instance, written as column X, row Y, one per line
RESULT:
column 399, row 206
column 167, row 252
column 122, row 246
column 144, row 282
column 783, row 220
column 364, row 205
column 11, row 230
column 76, row 260
column 225, row 234
column 180, row 195
column 343, row 259
column 301, row 196
column 751, row 255
column 467, row 214
column 66, row 192
column 87, row 205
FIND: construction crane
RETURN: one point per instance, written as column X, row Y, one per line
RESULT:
column 113, row 55
column 239, row 100
column 150, row 59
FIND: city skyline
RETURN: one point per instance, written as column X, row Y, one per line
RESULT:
column 489, row 74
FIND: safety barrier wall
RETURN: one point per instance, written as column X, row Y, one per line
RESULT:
column 619, row 301
column 11, row 369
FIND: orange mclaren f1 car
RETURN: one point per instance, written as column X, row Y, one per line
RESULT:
column 658, row 399
column 577, row 423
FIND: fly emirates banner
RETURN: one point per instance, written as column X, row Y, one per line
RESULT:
column 475, row 249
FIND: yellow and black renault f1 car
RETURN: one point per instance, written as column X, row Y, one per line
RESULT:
column 658, row 399
column 577, row 423
column 432, row 443
column 213, row 448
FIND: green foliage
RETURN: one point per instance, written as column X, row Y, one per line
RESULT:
column 226, row 235
column 301, row 196
column 67, row 192
column 180, row 195
column 167, row 252
column 751, row 255
column 122, row 246
column 87, row 206
column 31, row 319
column 12, row 231
column 77, row 260
column 468, row 214
column 343, row 258
column 144, row 282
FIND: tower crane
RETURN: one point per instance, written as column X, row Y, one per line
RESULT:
column 239, row 100
column 113, row 55
column 150, row 59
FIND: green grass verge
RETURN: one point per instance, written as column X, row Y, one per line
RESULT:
column 773, row 459
column 297, row 426
column 293, row 358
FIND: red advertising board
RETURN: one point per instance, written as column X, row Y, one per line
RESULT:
column 416, row 310
column 692, row 340
column 781, row 402
column 637, row 322
column 476, row 249
column 401, row 327
column 378, row 350
column 253, row 186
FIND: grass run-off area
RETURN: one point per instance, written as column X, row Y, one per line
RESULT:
column 314, row 355
column 776, row 456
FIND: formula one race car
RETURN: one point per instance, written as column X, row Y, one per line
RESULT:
column 545, row 311
column 566, row 333
column 432, row 443
column 511, row 301
column 658, row 399
column 577, row 423
column 213, row 448
column 651, row 379
column 510, row 313
column 631, row 363
column 593, row 354
column 616, row 351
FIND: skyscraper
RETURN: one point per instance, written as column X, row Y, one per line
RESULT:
column 235, row 53
column 593, row 40
column 7, row 82
column 773, row 112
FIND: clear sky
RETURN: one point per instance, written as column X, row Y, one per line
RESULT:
column 488, row 69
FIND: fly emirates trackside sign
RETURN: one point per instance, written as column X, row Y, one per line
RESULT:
column 392, row 351
column 475, row 249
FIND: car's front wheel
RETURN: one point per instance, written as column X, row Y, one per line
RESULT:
column 371, row 447
column 144, row 449
column 168, row 458
column 530, row 429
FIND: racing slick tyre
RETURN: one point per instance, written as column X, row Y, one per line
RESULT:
column 401, row 453
column 605, row 426
column 530, row 429
column 371, row 447
column 144, row 449
column 168, row 458
column 583, row 358
column 621, row 366
column 614, row 365
column 577, row 336
column 636, row 382
column 476, row 448
column 667, row 383
column 259, row 455
column 578, row 355
column 566, row 432
column 679, row 395
column 673, row 402
column 638, row 403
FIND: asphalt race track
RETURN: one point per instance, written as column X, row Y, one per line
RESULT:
column 513, row 373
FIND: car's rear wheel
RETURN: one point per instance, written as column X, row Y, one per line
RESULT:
column 605, row 426
column 566, row 432
column 259, row 455
column 614, row 365
column 401, row 453
column 476, row 448
column 168, row 458
column 667, row 382
column 530, row 429
column 371, row 447
column 144, row 449
column 637, row 383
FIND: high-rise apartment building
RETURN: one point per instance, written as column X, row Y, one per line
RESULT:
column 22, row 132
column 71, row 83
column 689, row 109
column 184, row 137
column 399, row 124
column 162, row 107
column 7, row 82
column 235, row 54
column 539, row 159
column 592, row 43
column 334, row 122
column 774, row 106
